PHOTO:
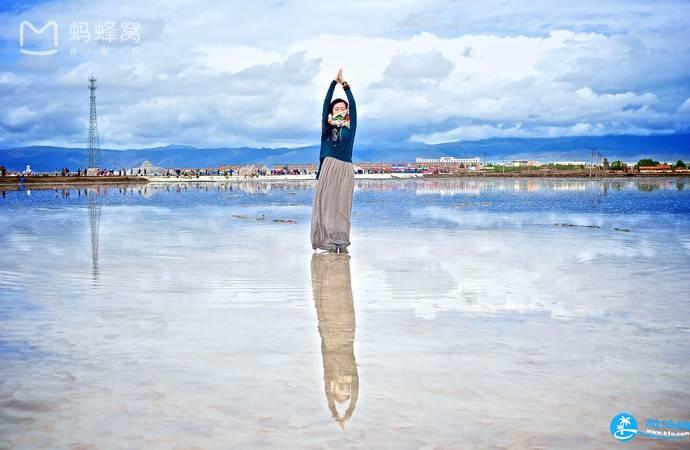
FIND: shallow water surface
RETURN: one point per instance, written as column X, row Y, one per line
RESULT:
column 469, row 313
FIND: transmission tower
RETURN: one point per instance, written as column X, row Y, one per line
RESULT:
column 94, row 148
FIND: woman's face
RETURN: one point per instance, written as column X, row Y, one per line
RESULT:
column 339, row 108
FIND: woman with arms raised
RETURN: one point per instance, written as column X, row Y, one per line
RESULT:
column 332, row 208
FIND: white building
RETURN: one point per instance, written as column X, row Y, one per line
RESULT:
column 569, row 163
column 525, row 163
column 450, row 160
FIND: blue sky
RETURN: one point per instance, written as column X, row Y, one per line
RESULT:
column 254, row 73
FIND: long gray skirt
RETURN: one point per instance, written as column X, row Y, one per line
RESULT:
column 330, row 216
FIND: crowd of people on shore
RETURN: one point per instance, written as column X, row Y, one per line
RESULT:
column 248, row 171
column 66, row 172
column 284, row 171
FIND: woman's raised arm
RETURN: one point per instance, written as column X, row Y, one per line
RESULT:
column 327, row 101
column 352, row 106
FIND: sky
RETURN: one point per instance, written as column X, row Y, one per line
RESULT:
column 233, row 74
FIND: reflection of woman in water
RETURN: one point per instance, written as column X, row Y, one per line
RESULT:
column 332, row 287
column 332, row 208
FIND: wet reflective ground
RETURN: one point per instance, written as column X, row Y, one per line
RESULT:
column 468, row 314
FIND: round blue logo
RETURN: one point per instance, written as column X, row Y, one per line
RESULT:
column 623, row 427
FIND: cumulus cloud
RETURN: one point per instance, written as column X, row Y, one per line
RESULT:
column 255, row 74
column 432, row 66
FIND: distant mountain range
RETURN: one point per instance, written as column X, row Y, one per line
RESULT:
column 626, row 148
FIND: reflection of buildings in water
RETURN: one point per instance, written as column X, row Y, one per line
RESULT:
column 646, row 185
column 145, row 192
column 449, row 187
column 520, row 185
column 252, row 187
column 570, row 185
column 384, row 185
column 594, row 186
column 332, row 289
column 94, row 201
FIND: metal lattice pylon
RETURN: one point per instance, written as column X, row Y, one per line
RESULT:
column 94, row 148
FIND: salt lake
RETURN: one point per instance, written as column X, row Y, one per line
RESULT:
column 486, row 313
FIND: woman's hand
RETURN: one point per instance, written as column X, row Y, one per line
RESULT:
column 339, row 78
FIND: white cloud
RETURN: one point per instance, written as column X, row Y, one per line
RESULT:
column 255, row 74
column 12, row 79
column 432, row 66
column 19, row 116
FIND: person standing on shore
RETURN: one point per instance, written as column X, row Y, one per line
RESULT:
column 332, row 207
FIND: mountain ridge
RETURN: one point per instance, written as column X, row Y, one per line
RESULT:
column 624, row 147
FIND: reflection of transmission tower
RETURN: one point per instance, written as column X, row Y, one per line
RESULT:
column 94, row 149
column 95, row 225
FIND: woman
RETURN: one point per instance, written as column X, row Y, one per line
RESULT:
column 330, row 220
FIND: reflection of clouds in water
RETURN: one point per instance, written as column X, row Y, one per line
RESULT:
column 200, row 329
column 153, row 251
column 207, row 250
column 492, row 219
column 565, row 273
column 605, row 251
column 490, row 262
column 497, row 264
column 218, row 216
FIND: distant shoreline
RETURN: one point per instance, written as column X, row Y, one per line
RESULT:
column 577, row 175
column 82, row 181
column 75, row 180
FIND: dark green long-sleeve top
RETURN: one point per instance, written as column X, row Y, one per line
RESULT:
column 339, row 143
